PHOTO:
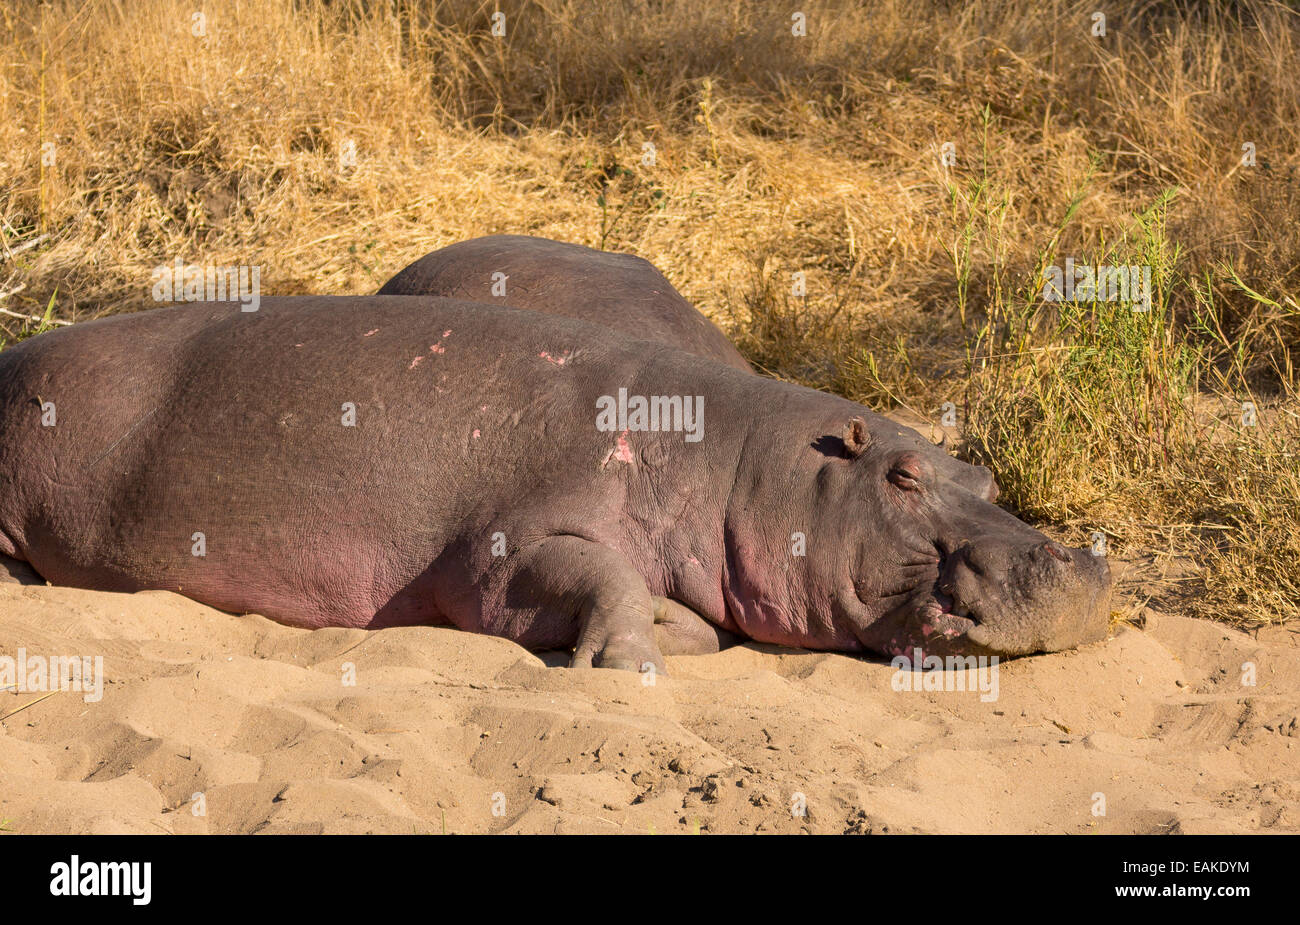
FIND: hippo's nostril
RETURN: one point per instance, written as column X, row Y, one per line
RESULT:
column 1056, row 552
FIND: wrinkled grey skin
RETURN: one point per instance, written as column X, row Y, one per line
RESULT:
column 476, row 490
column 618, row 291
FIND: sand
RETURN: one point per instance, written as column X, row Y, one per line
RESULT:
column 434, row 730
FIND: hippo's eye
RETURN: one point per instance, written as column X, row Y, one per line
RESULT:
column 905, row 477
column 910, row 471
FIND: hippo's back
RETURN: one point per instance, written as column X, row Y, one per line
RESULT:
column 618, row 291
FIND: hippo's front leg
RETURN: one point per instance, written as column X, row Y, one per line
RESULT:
column 616, row 628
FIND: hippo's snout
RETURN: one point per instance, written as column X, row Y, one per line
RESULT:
column 1086, row 590
column 1043, row 598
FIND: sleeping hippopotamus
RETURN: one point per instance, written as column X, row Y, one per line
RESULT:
column 618, row 291
column 378, row 461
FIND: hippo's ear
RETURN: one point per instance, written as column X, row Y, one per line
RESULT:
column 856, row 437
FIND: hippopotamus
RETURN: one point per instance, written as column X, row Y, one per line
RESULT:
column 619, row 291
column 378, row 461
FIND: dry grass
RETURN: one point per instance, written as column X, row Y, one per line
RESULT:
column 774, row 154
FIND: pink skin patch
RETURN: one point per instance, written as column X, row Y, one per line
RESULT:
column 622, row 452
column 447, row 333
column 558, row 361
column 370, row 332
column 415, row 362
column 297, row 345
column 477, row 433
column 437, row 348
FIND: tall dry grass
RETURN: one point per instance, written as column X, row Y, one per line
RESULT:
column 774, row 154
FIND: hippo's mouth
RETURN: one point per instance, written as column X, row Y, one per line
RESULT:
column 943, row 615
column 941, row 612
column 932, row 615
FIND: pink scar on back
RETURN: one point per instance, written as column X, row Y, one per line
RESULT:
column 371, row 331
column 439, row 348
column 415, row 362
column 558, row 361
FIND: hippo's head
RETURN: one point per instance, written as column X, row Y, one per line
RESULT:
column 930, row 562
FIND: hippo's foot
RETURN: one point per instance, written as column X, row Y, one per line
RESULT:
column 681, row 631
column 618, row 632
column 617, row 622
column 622, row 638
